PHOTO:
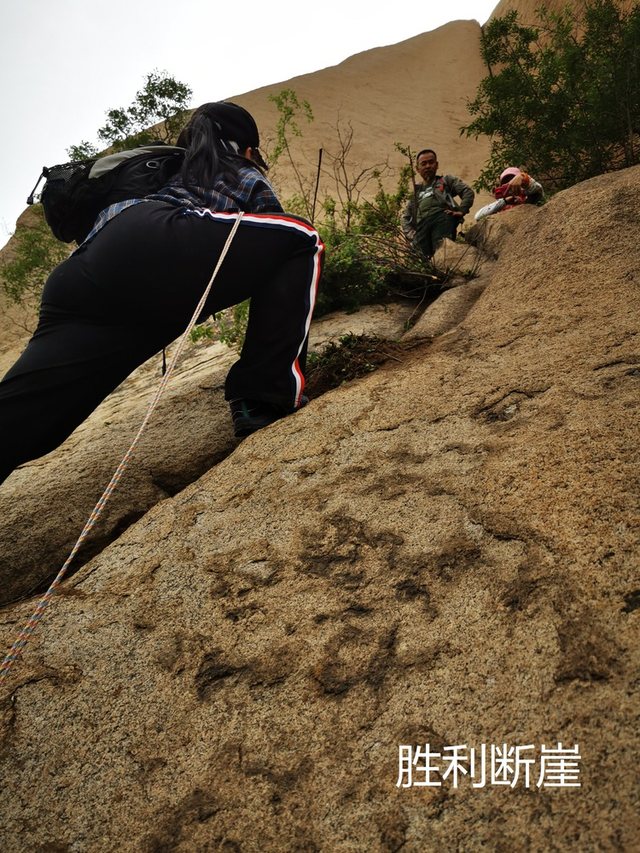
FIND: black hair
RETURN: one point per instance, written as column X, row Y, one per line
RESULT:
column 202, row 161
column 425, row 151
column 207, row 138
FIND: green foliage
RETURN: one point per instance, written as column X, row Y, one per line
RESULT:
column 162, row 100
column 290, row 111
column 563, row 97
column 84, row 151
column 350, row 278
column 228, row 326
column 368, row 260
column 232, row 324
column 203, row 332
column 381, row 216
column 35, row 253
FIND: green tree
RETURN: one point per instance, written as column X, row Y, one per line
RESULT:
column 35, row 253
column 83, row 151
column 162, row 101
column 561, row 97
column 290, row 108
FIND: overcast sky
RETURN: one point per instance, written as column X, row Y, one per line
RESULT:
column 64, row 63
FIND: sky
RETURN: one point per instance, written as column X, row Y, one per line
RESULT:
column 65, row 63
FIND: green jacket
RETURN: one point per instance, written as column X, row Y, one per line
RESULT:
column 442, row 190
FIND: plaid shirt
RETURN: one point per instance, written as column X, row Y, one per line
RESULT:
column 246, row 190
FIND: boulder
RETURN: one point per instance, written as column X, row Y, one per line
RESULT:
column 45, row 503
column 489, row 236
column 447, row 311
column 443, row 554
column 459, row 261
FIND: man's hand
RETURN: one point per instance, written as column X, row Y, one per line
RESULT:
column 457, row 213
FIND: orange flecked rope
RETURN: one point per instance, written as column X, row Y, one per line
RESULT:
column 16, row 649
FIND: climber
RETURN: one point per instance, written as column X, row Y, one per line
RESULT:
column 132, row 285
column 432, row 214
column 514, row 187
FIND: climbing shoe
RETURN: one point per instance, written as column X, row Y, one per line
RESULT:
column 251, row 415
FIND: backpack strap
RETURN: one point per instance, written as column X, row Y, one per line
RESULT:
column 32, row 195
column 444, row 182
column 109, row 162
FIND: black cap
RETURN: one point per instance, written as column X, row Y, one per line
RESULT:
column 236, row 124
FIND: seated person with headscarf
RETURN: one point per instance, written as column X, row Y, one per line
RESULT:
column 514, row 187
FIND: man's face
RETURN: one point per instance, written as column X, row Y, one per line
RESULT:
column 427, row 166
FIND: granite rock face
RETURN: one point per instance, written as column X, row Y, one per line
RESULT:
column 444, row 552
column 45, row 503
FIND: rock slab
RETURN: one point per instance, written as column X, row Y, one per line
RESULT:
column 443, row 553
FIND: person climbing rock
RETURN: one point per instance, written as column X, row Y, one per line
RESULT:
column 432, row 214
column 516, row 186
column 131, row 287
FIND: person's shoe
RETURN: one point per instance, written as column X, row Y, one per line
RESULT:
column 251, row 415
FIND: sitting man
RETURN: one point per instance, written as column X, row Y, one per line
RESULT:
column 431, row 215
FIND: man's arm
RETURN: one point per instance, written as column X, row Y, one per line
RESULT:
column 464, row 191
column 532, row 189
column 408, row 220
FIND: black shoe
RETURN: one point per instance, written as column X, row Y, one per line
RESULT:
column 251, row 415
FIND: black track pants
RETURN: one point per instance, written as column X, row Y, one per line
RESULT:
column 132, row 290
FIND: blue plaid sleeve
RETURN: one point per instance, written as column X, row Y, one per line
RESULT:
column 256, row 193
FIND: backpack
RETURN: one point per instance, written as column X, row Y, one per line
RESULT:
column 75, row 193
column 439, row 190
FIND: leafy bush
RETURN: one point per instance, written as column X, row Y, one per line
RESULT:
column 228, row 326
column 35, row 253
column 350, row 277
column 371, row 260
column 562, row 97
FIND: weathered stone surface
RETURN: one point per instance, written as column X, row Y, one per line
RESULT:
column 474, row 261
column 448, row 310
column 458, row 260
column 489, row 236
column 385, row 321
column 443, row 552
column 45, row 504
